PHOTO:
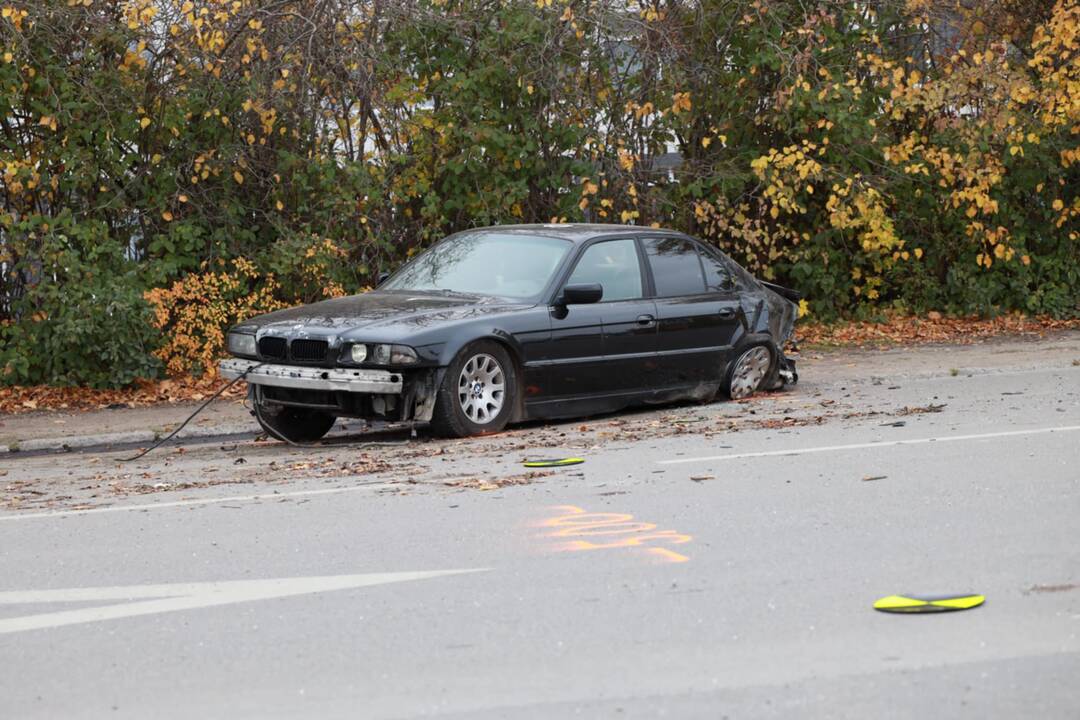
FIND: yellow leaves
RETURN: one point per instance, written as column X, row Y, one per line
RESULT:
column 567, row 16
column 589, row 188
column 640, row 111
column 680, row 103
column 706, row 141
column 529, row 89
column 1058, row 205
column 918, row 253
column 167, row 216
column 238, row 177
column 804, row 308
column 144, row 123
column 626, row 159
column 543, row 3
column 15, row 15
column 48, row 121
column 8, row 57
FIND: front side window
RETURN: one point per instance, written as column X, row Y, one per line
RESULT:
column 614, row 264
column 506, row 265
column 675, row 267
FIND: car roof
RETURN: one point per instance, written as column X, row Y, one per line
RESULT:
column 575, row 232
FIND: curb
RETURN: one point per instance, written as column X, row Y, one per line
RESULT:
column 141, row 438
column 133, row 437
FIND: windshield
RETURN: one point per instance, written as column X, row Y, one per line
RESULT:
column 504, row 265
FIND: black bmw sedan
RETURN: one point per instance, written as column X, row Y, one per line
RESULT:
column 502, row 324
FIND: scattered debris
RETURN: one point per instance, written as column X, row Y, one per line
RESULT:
column 1053, row 588
column 898, row 423
column 920, row 410
column 478, row 483
column 871, row 478
column 553, row 462
column 702, row 478
column 915, row 604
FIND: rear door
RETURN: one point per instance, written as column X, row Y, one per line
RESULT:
column 697, row 310
column 606, row 348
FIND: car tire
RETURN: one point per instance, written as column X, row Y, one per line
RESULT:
column 478, row 392
column 293, row 425
column 753, row 366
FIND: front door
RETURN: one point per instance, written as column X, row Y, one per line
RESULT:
column 606, row 348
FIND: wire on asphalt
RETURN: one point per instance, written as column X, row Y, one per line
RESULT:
column 190, row 417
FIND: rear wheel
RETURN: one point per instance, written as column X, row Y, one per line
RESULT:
column 748, row 373
column 478, row 392
column 290, row 424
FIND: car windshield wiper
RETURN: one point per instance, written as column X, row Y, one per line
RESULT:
column 449, row 293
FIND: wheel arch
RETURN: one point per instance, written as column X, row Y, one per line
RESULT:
column 513, row 349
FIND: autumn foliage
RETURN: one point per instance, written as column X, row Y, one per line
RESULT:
column 169, row 166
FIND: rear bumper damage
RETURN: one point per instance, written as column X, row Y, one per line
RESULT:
column 352, row 392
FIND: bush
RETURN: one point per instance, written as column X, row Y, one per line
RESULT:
column 81, row 320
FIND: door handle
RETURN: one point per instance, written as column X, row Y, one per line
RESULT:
column 645, row 320
column 726, row 313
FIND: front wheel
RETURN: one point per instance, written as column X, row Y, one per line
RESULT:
column 478, row 392
column 749, row 372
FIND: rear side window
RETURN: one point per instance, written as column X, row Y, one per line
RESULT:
column 717, row 275
column 675, row 267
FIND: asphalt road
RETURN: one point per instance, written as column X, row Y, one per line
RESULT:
column 705, row 561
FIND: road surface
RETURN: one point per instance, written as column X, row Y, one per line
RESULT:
column 705, row 561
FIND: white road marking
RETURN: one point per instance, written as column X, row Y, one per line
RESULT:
column 863, row 446
column 185, row 596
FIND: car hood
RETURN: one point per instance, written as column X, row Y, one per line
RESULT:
column 398, row 311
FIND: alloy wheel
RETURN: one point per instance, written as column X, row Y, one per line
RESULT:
column 481, row 388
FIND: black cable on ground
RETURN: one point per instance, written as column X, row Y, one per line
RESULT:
column 198, row 410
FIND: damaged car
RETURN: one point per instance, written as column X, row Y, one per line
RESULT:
column 498, row 325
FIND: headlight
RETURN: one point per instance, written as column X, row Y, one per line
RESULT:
column 241, row 344
column 358, row 353
column 393, row 355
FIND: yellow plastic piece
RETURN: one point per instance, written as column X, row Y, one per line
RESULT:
column 554, row 463
column 909, row 604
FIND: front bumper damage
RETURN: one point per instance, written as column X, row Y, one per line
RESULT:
column 353, row 392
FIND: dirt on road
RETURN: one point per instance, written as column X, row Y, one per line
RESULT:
column 841, row 386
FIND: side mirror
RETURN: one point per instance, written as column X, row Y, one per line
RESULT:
column 582, row 294
column 382, row 278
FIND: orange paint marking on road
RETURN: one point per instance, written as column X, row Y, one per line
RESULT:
column 577, row 522
column 668, row 555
